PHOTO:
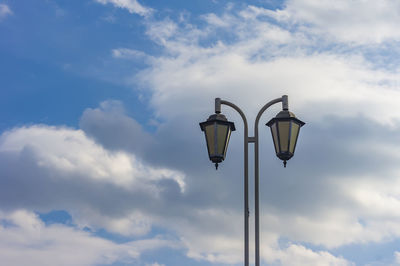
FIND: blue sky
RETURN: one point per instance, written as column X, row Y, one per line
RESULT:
column 101, row 155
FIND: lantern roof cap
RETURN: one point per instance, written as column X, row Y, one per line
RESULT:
column 285, row 115
column 219, row 118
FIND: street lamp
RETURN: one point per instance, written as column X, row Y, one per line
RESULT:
column 285, row 128
column 217, row 130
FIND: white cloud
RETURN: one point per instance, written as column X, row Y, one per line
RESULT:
column 265, row 61
column 70, row 152
column 206, row 233
column 397, row 258
column 127, row 53
column 359, row 22
column 161, row 31
column 68, row 161
column 349, row 103
column 133, row 6
column 22, row 232
column 5, row 11
column 217, row 21
column 298, row 255
column 217, row 239
column 258, row 64
column 134, row 223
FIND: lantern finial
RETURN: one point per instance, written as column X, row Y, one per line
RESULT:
column 284, row 163
column 216, row 166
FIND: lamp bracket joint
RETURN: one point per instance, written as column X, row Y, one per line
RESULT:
column 252, row 139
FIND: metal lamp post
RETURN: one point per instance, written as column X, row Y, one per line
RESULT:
column 285, row 129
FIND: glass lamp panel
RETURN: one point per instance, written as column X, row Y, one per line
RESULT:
column 274, row 132
column 222, row 138
column 227, row 140
column 283, row 129
column 209, row 131
column 293, row 136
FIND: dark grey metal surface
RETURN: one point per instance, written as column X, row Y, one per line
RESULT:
column 246, row 175
column 256, row 174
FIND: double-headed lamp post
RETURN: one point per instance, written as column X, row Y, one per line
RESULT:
column 285, row 128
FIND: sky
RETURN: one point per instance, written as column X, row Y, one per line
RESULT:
column 102, row 160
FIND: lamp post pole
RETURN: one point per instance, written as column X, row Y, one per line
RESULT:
column 247, row 140
column 218, row 103
column 284, row 100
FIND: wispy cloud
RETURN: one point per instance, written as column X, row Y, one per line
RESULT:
column 5, row 11
column 155, row 264
column 133, row 6
column 125, row 53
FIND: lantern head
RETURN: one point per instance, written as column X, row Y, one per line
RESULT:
column 285, row 128
column 217, row 130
